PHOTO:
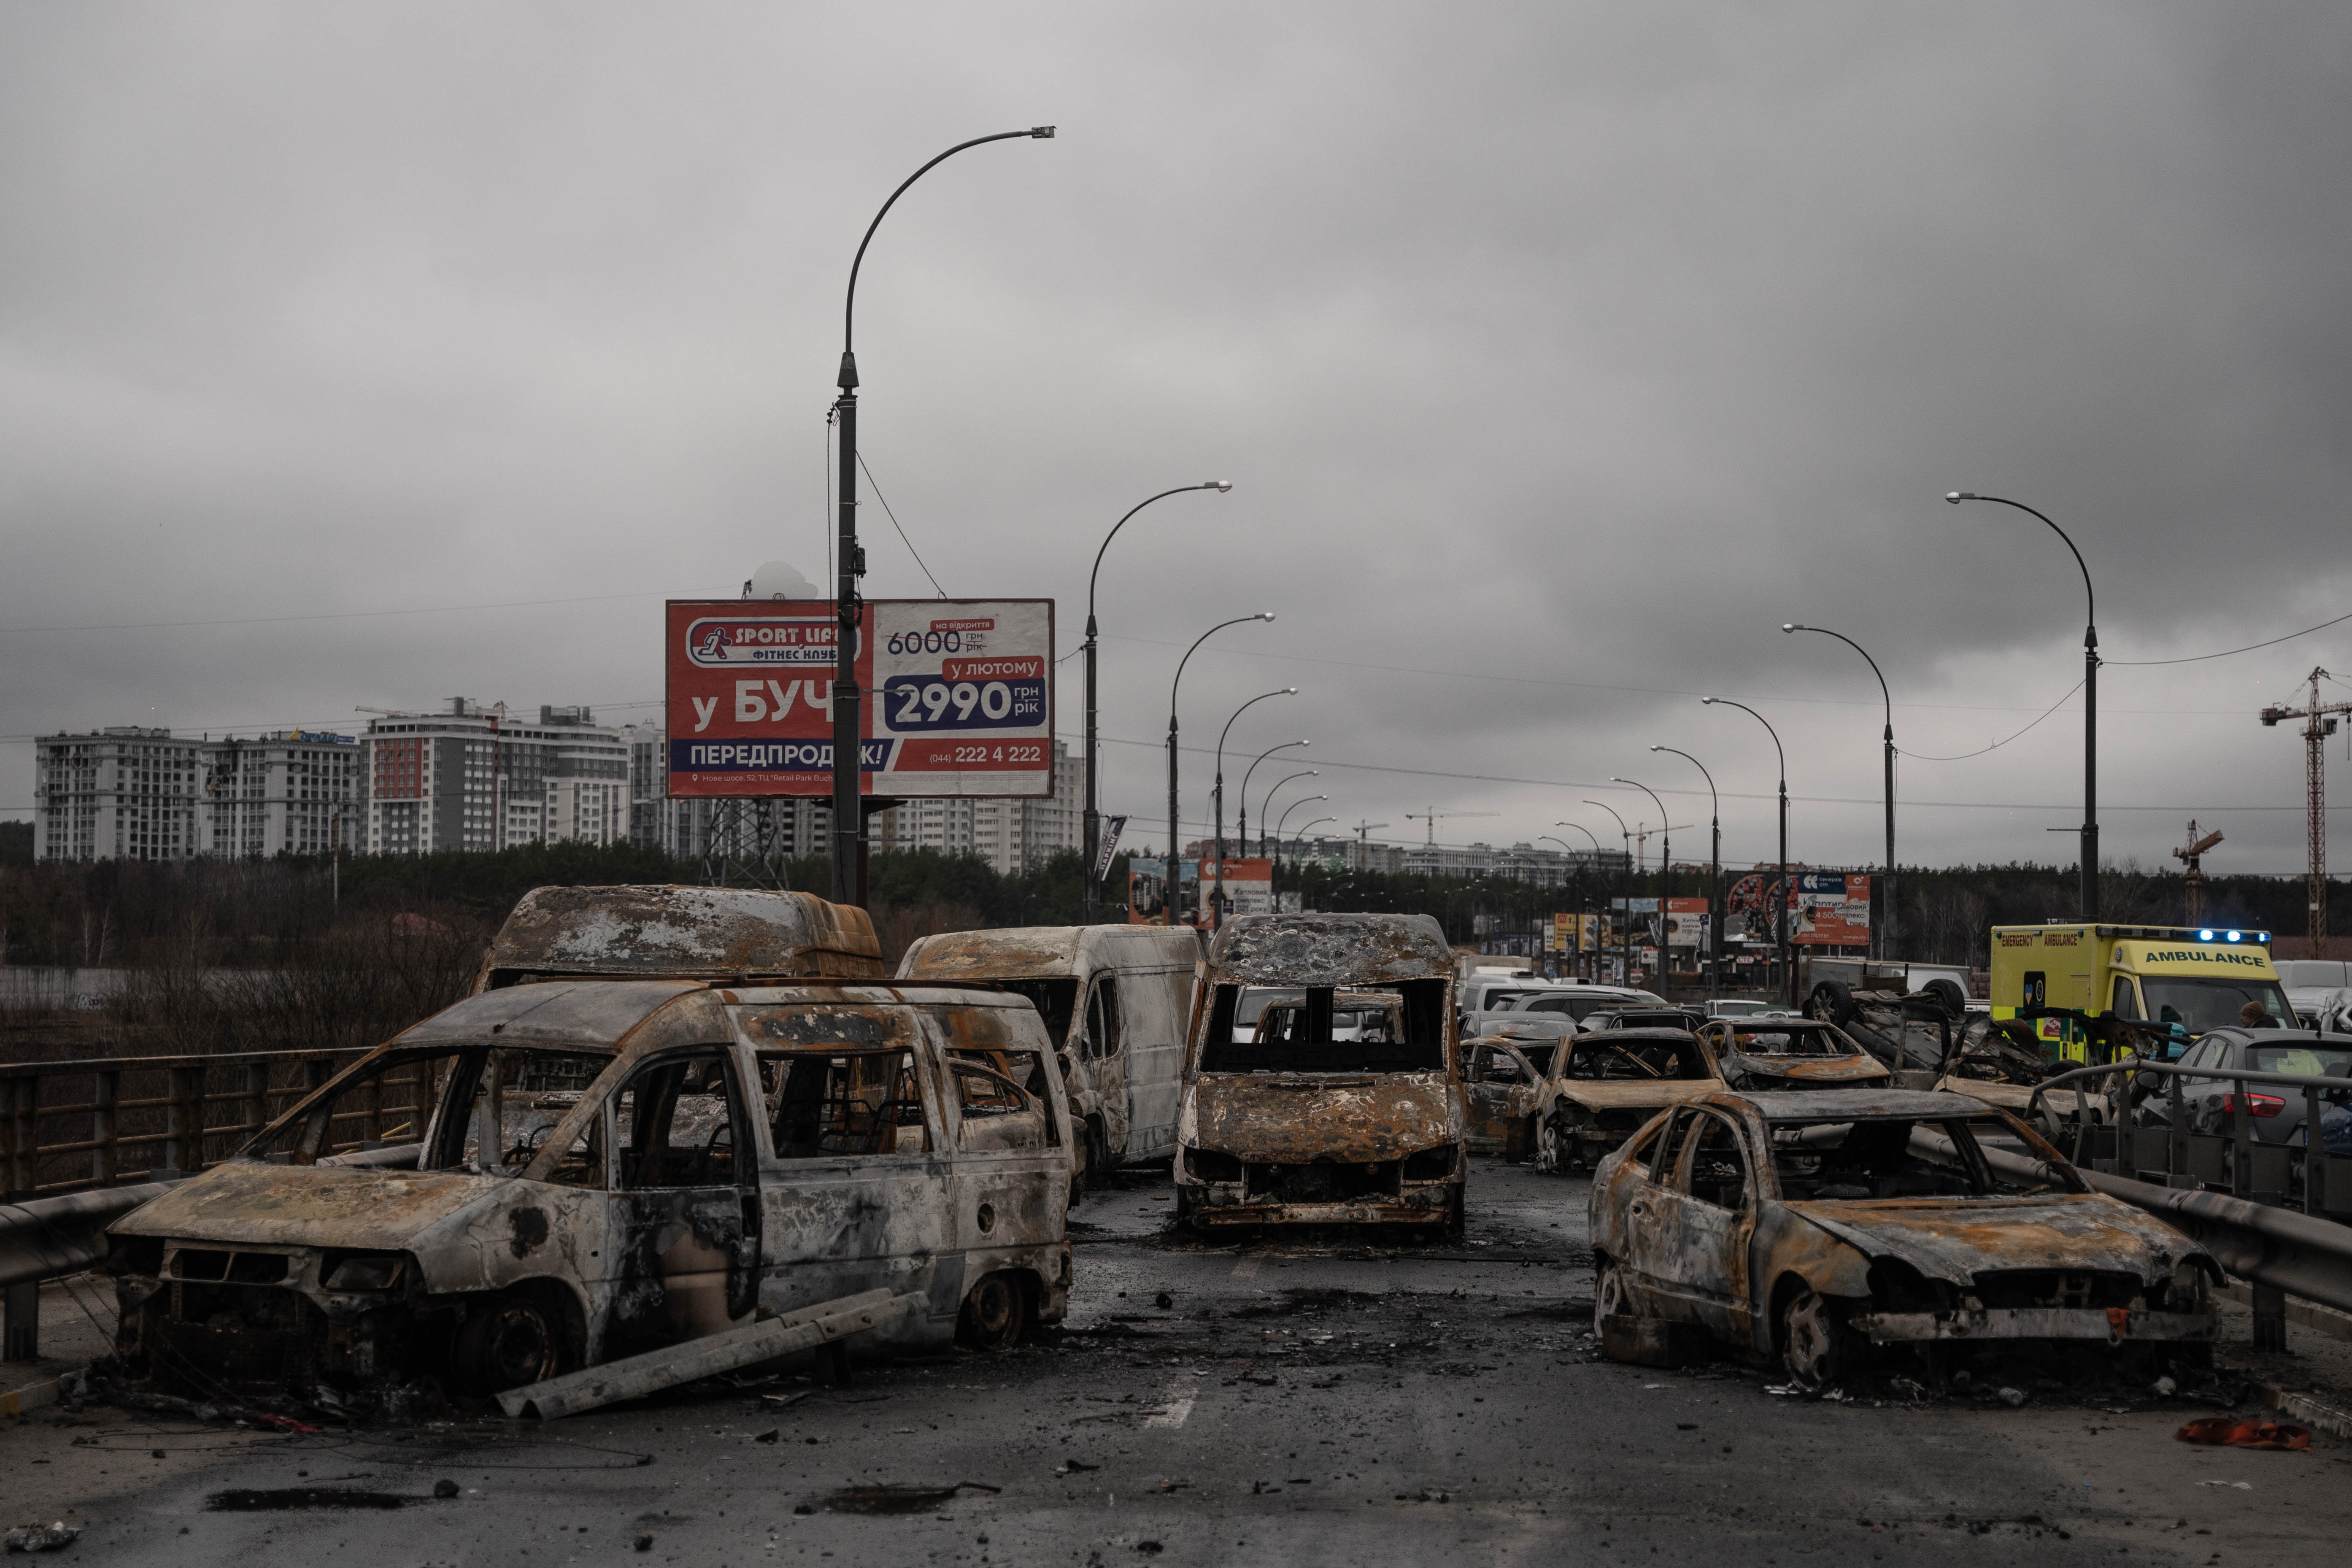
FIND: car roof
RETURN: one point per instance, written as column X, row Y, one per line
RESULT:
column 1619, row 1036
column 1858, row 1104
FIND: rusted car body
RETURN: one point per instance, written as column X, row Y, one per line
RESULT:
column 668, row 933
column 1307, row 1130
column 1791, row 1053
column 1116, row 1001
column 595, row 1167
column 1502, row 1080
column 1826, row 1226
column 1603, row 1085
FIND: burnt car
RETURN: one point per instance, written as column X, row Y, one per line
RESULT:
column 1116, row 1001
column 1833, row 1227
column 1502, row 1078
column 1791, row 1053
column 573, row 1169
column 1301, row 1127
column 1652, row 1016
column 1604, row 1085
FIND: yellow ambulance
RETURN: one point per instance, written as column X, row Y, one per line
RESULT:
column 2198, row 978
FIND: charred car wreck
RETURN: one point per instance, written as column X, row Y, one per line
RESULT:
column 1834, row 1225
column 1295, row 1125
column 578, row 1169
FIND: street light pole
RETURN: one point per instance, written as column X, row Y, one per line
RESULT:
column 1665, row 871
column 1241, row 833
column 1094, row 799
column 1286, row 810
column 1886, row 935
column 1714, row 866
column 1175, row 880
column 1625, row 927
column 2090, row 868
column 1781, row 905
column 848, row 778
column 1587, row 902
column 1217, row 899
column 1266, row 809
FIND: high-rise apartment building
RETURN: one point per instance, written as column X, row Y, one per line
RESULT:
column 140, row 793
column 473, row 778
column 1012, row 836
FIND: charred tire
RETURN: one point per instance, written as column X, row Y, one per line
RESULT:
column 1949, row 996
column 1610, row 1298
column 1457, row 1219
column 994, row 1314
column 1833, row 1002
column 1817, row 1347
column 505, row 1342
column 1548, row 1153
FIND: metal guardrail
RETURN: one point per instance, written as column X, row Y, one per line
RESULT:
column 2230, row 1194
column 73, row 1135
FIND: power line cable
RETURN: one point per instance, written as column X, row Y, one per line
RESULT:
column 1997, row 746
column 894, row 521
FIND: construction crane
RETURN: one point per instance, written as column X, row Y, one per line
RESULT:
column 1434, row 816
column 2193, row 878
column 2319, row 722
column 1360, row 830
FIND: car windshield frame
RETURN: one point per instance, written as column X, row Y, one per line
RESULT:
column 1960, row 1127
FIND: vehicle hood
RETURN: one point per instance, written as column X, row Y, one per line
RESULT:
column 1286, row 1118
column 1635, row 1094
column 308, row 1205
column 1807, row 1072
column 1958, row 1240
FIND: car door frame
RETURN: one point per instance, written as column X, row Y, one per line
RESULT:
column 650, row 1230
column 836, row 1225
column 1695, row 1254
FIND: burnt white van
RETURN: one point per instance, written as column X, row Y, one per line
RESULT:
column 1116, row 1001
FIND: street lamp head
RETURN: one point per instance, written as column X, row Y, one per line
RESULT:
column 1794, row 626
column 1220, row 486
column 1615, row 779
column 1042, row 132
column 1290, row 691
column 1657, row 748
column 1956, row 497
column 1708, row 701
column 1264, row 615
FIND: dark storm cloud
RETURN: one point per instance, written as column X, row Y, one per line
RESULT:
column 1570, row 348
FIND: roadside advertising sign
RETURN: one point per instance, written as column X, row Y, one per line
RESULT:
column 1832, row 911
column 1575, row 933
column 1146, row 890
column 1687, row 922
column 1249, row 887
column 960, row 697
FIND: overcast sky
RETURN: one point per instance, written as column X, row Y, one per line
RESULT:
column 1557, row 354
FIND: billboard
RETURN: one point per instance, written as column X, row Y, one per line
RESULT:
column 960, row 697
column 1687, row 922
column 1147, row 891
column 1249, row 887
column 1832, row 911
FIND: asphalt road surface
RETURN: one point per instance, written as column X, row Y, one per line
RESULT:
column 1341, row 1400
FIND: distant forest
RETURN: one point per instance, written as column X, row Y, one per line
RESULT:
column 257, row 913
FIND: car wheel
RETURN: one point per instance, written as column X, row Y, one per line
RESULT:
column 1547, row 1147
column 1948, row 993
column 1832, row 1001
column 507, row 1344
column 994, row 1314
column 1611, row 1296
column 1815, row 1340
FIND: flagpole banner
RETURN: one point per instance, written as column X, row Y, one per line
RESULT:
column 1112, row 826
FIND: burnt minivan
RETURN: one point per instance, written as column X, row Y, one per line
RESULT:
column 566, row 1169
column 1297, row 1126
column 1116, row 1001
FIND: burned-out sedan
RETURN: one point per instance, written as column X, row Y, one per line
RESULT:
column 1791, row 1053
column 1602, row 1087
column 1502, row 1078
column 577, row 1169
column 1830, row 1225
